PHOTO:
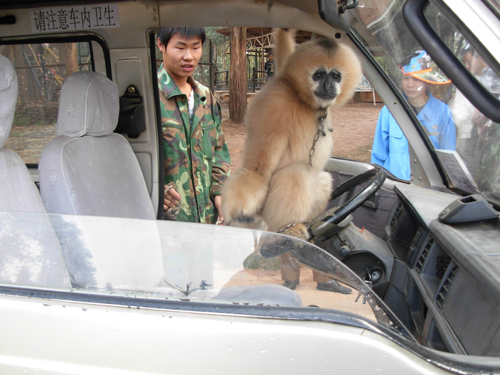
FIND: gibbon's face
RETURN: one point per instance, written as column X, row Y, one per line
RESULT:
column 325, row 83
column 323, row 73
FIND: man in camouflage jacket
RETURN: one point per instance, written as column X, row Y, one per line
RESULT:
column 196, row 157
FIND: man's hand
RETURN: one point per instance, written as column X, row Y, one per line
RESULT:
column 218, row 204
column 171, row 198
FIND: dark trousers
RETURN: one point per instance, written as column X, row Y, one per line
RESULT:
column 290, row 270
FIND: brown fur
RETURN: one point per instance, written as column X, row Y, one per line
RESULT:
column 276, row 181
column 286, row 42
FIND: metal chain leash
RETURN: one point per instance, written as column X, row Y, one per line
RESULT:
column 321, row 132
column 286, row 227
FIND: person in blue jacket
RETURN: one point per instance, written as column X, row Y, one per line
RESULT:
column 390, row 146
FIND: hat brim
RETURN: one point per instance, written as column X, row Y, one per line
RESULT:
column 430, row 76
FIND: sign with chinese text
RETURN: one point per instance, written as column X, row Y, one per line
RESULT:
column 72, row 18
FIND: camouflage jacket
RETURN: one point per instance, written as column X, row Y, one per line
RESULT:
column 196, row 156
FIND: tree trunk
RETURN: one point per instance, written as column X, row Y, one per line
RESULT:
column 238, row 74
column 71, row 59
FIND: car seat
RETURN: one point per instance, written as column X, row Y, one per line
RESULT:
column 29, row 253
column 88, row 170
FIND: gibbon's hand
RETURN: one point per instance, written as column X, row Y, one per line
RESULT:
column 243, row 195
column 171, row 198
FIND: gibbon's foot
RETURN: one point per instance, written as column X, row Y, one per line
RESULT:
column 248, row 222
column 298, row 230
column 334, row 286
column 291, row 284
column 273, row 246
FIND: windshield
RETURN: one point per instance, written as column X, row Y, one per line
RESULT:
column 173, row 261
column 449, row 122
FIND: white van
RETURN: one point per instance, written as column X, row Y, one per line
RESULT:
column 127, row 292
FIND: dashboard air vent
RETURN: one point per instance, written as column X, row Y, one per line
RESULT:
column 395, row 218
column 421, row 258
column 445, row 288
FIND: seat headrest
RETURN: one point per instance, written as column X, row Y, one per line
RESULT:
column 8, row 97
column 88, row 105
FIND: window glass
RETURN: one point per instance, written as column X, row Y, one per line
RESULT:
column 451, row 123
column 163, row 260
column 352, row 140
column 478, row 137
column 41, row 69
column 381, row 28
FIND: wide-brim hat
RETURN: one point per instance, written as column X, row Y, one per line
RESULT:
column 419, row 65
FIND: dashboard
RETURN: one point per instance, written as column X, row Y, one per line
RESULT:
column 445, row 282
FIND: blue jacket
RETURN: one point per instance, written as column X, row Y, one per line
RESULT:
column 390, row 146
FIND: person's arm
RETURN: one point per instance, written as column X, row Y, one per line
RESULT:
column 380, row 148
column 448, row 134
column 218, row 206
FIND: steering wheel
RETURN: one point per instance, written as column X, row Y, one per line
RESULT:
column 329, row 219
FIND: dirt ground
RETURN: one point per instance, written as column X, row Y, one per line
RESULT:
column 353, row 129
column 307, row 291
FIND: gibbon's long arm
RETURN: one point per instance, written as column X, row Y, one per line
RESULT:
column 285, row 44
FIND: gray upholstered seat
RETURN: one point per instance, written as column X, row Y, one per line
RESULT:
column 29, row 253
column 89, row 170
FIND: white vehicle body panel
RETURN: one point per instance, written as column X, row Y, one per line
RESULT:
column 55, row 336
column 121, row 340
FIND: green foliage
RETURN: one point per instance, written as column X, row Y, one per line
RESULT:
column 202, row 73
column 218, row 41
column 214, row 36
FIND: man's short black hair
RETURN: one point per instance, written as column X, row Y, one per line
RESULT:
column 166, row 33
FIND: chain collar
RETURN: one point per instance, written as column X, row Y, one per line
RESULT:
column 323, row 112
column 286, row 227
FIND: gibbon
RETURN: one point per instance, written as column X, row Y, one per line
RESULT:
column 289, row 139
